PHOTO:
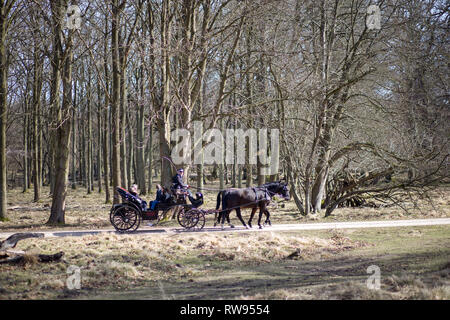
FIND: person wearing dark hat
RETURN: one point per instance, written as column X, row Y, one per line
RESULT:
column 177, row 182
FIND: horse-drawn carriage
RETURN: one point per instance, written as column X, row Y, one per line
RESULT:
column 128, row 215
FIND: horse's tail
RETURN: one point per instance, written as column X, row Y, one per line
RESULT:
column 218, row 200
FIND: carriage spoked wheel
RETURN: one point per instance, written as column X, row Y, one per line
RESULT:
column 192, row 219
column 125, row 219
column 182, row 219
column 200, row 217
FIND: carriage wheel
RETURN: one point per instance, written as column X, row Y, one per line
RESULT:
column 125, row 218
column 200, row 216
column 186, row 220
column 182, row 219
column 192, row 219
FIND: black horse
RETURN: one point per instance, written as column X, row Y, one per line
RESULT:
column 254, row 198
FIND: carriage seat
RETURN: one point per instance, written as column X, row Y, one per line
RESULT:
column 127, row 196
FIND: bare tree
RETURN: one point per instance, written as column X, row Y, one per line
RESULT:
column 7, row 12
column 63, row 131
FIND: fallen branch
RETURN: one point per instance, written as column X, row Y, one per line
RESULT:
column 11, row 241
column 24, row 258
column 21, row 257
column 50, row 257
column 13, row 260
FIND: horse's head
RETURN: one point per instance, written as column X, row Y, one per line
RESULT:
column 285, row 191
column 280, row 189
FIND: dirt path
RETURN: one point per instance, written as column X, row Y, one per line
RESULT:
column 279, row 227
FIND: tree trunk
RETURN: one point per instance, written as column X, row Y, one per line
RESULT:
column 140, row 141
column 200, row 166
column 150, row 157
column 318, row 190
column 115, row 103
column 40, row 147
column 83, row 162
column 89, row 137
column 25, row 145
column 163, row 123
column 99, row 138
column 74, row 147
column 63, row 131
column 106, row 131
column 164, row 149
column 37, row 88
column 3, row 109
column 222, row 156
column 130, row 163
column 55, row 99
column 123, row 127
column 106, row 137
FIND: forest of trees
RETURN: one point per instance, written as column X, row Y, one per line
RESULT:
column 90, row 92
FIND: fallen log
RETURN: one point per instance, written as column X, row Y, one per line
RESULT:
column 14, row 260
column 24, row 258
column 11, row 241
column 21, row 257
column 50, row 257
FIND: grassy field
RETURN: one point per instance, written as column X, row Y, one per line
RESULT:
column 414, row 261
column 414, row 264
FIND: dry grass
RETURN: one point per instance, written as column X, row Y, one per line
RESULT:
column 117, row 262
column 401, row 287
column 263, row 265
column 86, row 211
column 414, row 264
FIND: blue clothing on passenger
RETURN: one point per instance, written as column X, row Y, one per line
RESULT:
column 153, row 204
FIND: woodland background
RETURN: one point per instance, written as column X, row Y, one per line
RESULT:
column 363, row 113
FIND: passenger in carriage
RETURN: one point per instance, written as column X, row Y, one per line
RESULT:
column 134, row 191
column 161, row 197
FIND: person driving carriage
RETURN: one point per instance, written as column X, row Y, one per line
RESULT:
column 177, row 183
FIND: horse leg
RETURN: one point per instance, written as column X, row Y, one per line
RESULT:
column 228, row 220
column 267, row 217
column 251, row 217
column 261, row 210
column 238, row 213
column 218, row 217
column 224, row 215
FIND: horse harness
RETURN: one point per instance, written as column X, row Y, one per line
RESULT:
column 262, row 197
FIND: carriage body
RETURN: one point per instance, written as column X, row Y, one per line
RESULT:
column 128, row 215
